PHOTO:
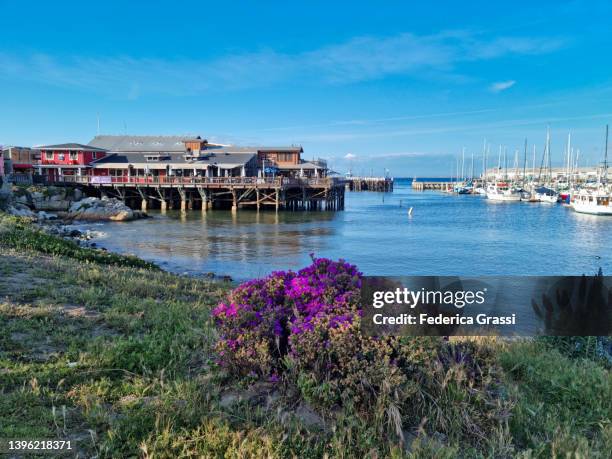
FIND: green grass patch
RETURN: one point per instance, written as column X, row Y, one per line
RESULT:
column 564, row 405
column 19, row 234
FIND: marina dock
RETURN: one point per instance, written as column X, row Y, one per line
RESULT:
column 203, row 193
column 384, row 184
column 437, row 186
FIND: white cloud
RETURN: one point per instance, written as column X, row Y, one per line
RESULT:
column 350, row 156
column 358, row 59
column 500, row 86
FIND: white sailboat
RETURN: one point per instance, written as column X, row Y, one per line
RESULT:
column 546, row 193
column 502, row 191
column 596, row 200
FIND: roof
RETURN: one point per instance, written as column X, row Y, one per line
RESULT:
column 168, row 144
column 304, row 166
column 141, row 143
column 221, row 159
column 8, row 147
column 70, row 146
column 294, row 148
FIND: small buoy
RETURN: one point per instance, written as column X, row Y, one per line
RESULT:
column 410, row 212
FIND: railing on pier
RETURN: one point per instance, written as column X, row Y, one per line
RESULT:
column 98, row 180
column 19, row 179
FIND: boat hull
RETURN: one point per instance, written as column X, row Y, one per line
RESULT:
column 592, row 209
column 547, row 198
column 504, row 197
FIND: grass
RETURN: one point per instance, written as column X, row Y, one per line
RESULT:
column 19, row 234
column 563, row 404
column 119, row 360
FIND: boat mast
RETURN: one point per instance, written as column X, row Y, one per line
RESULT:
column 605, row 163
column 533, row 163
column 569, row 150
column 484, row 164
column 516, row 166
column 525, row 163
column 549, row 161
column 472, row 168
column 505, row 164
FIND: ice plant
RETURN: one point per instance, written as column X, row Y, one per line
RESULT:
column 303, row 328
column 260, row 316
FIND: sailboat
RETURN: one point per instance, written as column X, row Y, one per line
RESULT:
column 482, row 188
column 502, row 190
column 546, row 193
column 595, row 200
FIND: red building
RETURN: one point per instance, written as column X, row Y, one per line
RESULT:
column 67, row 159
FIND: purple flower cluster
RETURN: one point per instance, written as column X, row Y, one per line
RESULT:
column 260, row 316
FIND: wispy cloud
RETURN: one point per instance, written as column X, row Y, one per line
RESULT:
column 500, row 86
column 359, row 59
column 438, row 129
column 405, row 154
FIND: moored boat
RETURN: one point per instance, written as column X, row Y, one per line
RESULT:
column 544, row 194
column 594, row 202
column 502, row 191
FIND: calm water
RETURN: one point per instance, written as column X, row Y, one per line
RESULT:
column 446, row 235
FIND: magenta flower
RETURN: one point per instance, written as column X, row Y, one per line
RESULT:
column 261, row 315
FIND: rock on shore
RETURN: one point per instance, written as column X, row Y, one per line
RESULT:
column 102, row 209
column 48, row 198
column 35, row 202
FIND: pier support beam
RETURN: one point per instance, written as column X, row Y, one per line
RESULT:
column 234, row 201
column 204, row 196
column 143, row 205
column 183, row 196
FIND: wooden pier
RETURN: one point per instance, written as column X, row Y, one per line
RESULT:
column 384, row 184
column 437, row 186
column 204, row 193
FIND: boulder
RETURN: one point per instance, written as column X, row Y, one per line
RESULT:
column 51, row 198
column 42, row 215
column 94, row 209
column 20, row 210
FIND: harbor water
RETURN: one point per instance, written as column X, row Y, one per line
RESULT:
column 445, row 234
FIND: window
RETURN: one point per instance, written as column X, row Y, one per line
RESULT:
column 94, row 155
column 49, row 155
column 61, row 156
column 74, row 156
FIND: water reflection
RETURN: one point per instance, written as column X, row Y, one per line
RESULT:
column 446, row 235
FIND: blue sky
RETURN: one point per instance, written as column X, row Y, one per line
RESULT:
column 368, row 85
